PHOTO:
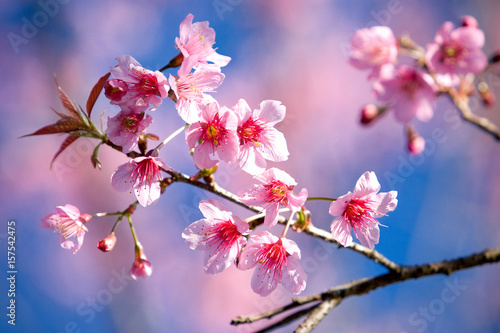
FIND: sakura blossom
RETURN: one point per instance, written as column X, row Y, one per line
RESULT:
column 275, row 261
column 213, row 137
column 67, row 222
column 143, row 176
column 456, row 51
column 408, row 91
column 133, row 84
column 220, row 234
column 259, row 140
column 195, row 42
column 373, row 47
column 125, row 128
column 358, row 210
column 190, row 91
column 276, row 190
column 141, row 266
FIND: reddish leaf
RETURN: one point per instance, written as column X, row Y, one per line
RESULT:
column 64, row 125
column 69, row 140
column 68, row 105
column 96, row 90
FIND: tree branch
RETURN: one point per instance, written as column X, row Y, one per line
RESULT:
column 332, row 297
column 463, row 106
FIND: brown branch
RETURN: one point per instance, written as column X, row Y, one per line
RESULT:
column 462, row 105
column 371, row 254
column 332, row 297
column 317, row 314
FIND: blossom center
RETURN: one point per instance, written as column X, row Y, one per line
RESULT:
column 277, row 192
column 359, row 213
column 146, row 171
column 213, row 131
column 222, row 235
column 272, row 258
column 451, row 54
column 130, row 123
column 250, row 131
column 147, row 83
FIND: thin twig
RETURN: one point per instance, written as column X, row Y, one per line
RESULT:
column 467, row 114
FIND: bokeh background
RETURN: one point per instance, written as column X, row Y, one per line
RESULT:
column 291, row 51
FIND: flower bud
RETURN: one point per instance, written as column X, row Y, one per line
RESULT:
column 369, row 112
column 416, row 143
column 115, row 89
column 469, row 21
column 107, row 244
column 487, row 96
column 141, row 266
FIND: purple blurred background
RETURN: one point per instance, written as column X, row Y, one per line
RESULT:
column 291, row 51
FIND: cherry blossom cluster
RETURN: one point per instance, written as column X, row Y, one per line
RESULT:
column 447, row 65
column 219, row 134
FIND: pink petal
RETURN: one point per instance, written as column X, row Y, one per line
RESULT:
column 293, row 277
column 271, row 111
column 366, row 184
column 388, row 202
column 341, row 231
column 338, row 206
column 120, row 179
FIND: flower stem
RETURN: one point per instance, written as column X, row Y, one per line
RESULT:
column 320, row 198
column 171, row 136
column 288, row 224
column 132, row 230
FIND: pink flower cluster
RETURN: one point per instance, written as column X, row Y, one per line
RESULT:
column 411, row 90
column 223, row 238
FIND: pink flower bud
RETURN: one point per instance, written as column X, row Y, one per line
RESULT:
column 107, row 244
column 416, row 145
column 115, row 89
column 469, row 21
column 141, row 266
column 487, row 96
column 368, row 113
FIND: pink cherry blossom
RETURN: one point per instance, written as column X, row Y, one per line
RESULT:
column 373, row 47
column 190, row 91
column 219, row 234
column 410, row 92
column 358, row 211
column 456, row 51
column 276, row 191
column 141, row 266
column 125, row 128
column 141, row 174
column 195, row 42
column 259, row 140
column 213, row 137
column 275, row 261
column 67, row 222
column 133, row 84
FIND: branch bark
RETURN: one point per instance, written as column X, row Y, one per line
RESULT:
column 332, row 297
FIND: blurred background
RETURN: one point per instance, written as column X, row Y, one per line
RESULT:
column 291, row 51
